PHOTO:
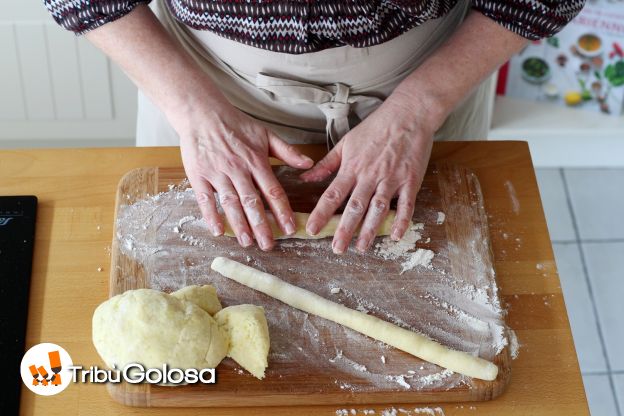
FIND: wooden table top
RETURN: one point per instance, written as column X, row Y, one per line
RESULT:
column 76, row 191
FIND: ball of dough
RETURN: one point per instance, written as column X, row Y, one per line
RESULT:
column 204, row 296
column 247, row 328
column 152, row 328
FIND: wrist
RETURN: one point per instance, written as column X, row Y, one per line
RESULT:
column 194, row 104
column 421, row 107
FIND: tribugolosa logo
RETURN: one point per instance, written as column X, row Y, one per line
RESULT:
column 45, row 369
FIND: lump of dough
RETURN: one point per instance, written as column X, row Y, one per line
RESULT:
column 153, row 328
column 249, row 336
column 204, row 296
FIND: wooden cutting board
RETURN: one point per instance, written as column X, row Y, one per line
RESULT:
column 160, row 242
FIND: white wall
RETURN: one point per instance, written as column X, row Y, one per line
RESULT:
column 560, row 136
column 56, row 89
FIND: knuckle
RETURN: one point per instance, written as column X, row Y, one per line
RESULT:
column 379, row 205
column 203, row 198
column 276, row 192
column 228, row 199
column 333, row 195
column 407, row 205
column 356, row 206
column 250, row 201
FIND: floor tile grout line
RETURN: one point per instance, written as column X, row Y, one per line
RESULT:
column 602, row 373
column 615, row 394
column 603, row 240
column 565, row 241
column 590, row 240
column 589, row 287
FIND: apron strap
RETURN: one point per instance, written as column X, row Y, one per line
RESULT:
column 334, row 101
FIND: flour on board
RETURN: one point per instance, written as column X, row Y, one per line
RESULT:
column 441, row 218
column 166, row 233
column 420, row 257
column 511, row 191
column 392, row 411
column 405, row 249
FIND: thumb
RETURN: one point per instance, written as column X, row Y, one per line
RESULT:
column 288, row 153
column 326, row 166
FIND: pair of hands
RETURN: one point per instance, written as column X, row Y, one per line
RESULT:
column 385, row 156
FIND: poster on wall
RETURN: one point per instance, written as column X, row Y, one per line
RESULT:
column 580, row 67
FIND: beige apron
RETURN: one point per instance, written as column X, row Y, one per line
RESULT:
column 314, row 97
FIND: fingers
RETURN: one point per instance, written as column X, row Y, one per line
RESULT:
column 254, row 210
column 352, row 216
column 230, row 202
column 329, row 202
column 204, row 194
column 377, row 212
column 326, row 166
column 405, row 209
column 288, row 153
column 275, row 196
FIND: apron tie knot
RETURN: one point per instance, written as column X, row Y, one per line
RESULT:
column 334, row 101
column 336, row 114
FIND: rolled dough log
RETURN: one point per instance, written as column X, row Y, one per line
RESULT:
column 301, row 218
column 403, row 339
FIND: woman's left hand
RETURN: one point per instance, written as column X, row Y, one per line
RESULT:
column 385, row 156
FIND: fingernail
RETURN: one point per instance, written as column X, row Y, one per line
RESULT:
column 312, row 229
column 245, row 240
column 217, row 230
column 338, row 247
column 395, row 235
column 265, row 243
column 361, row 245
column 290, row 226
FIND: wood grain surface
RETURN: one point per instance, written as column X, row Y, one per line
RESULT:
column 295, row 376
column 76, row 189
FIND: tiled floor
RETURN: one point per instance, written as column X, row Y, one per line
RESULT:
column 585, row 214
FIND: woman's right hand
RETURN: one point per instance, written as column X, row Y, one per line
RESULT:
column 223, row 150
column 226, row 151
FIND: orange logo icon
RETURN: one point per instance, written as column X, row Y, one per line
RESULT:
column 50, row 378
column 55, row 366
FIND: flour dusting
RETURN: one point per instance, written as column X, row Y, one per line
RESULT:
column 511, row 191
column 514, row 344
column 410, row 283
column 392, row 411
column 420, row 257
column 441, row 218
column 390, row 249
column 434, row 378
column 405, row 249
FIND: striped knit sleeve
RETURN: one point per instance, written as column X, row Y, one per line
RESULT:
column 81, row 16
column 531, row 19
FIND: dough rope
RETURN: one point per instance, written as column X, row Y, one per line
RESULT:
column 401, row 338
column 301, row 218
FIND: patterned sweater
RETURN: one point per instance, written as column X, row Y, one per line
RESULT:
column 302, row 26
